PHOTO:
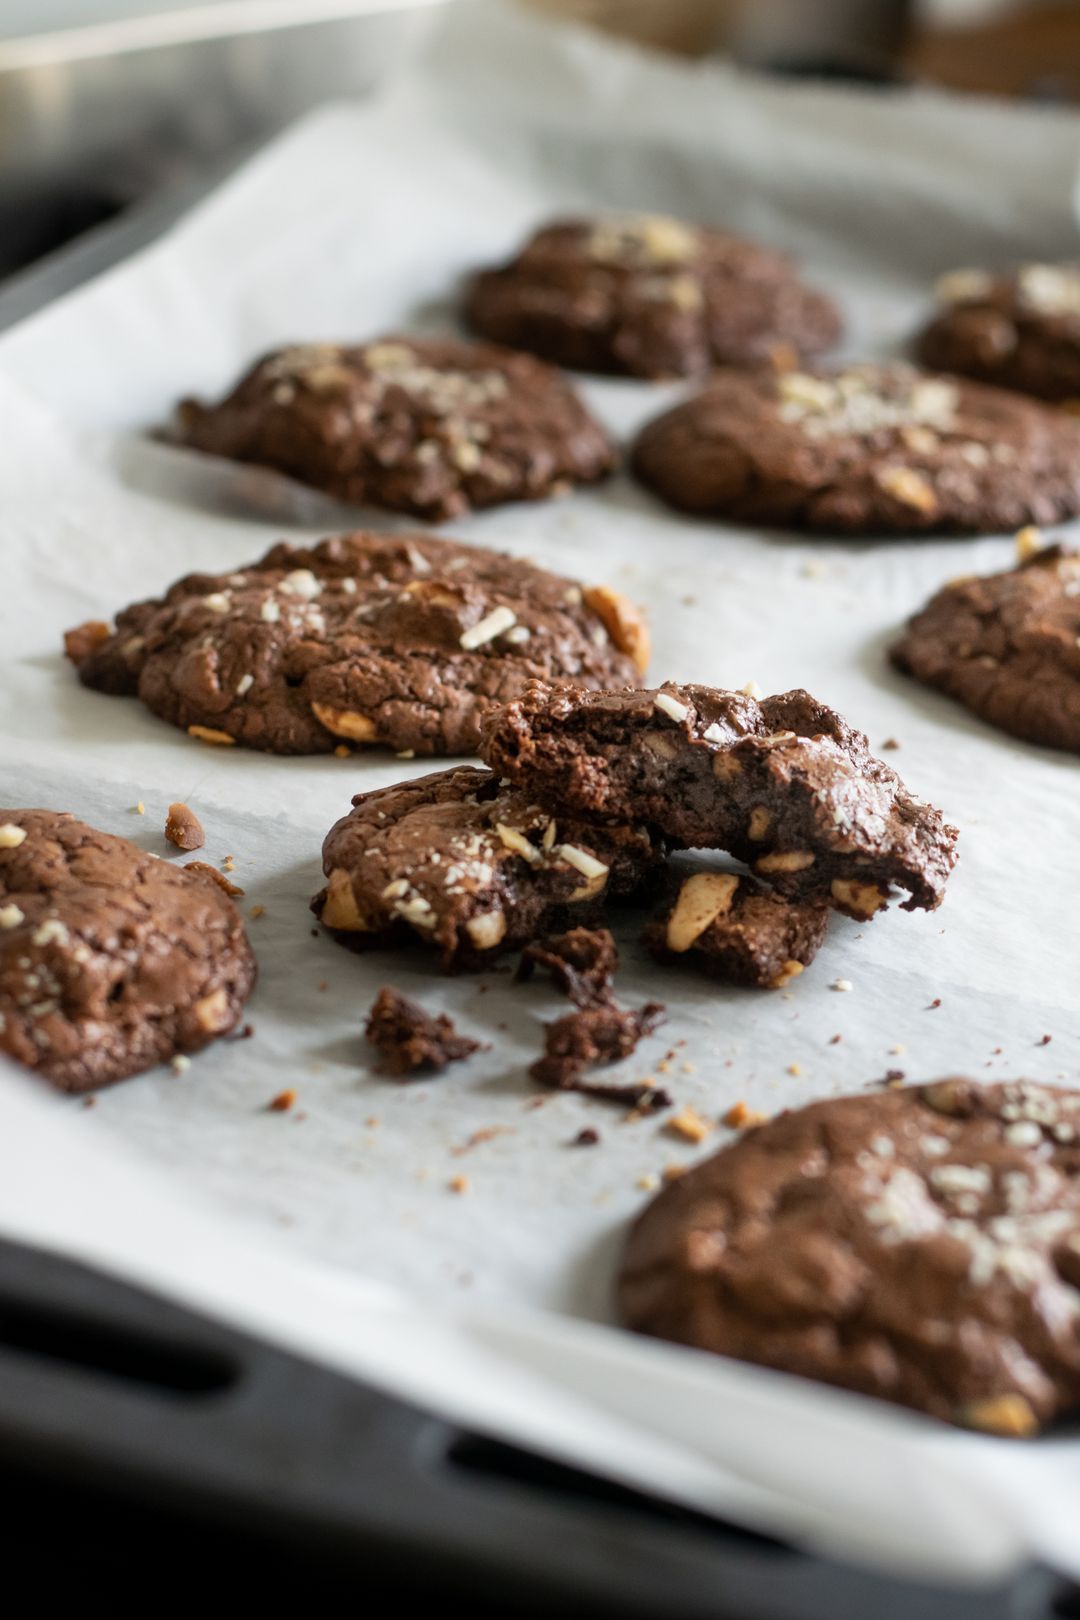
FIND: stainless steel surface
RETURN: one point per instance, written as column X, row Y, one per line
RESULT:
column 152, row 89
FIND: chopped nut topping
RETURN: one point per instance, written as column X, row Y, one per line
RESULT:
column 212, row 1012
column 1029, row 542
column 487, row 930
column 81, row 642
column 785, row 860
column 207, row 734
column 459, row 1184
column 623, row 623
column 339, row 908
column 486, row 629
column 864, row 899
column 346, row 723
column 790, row 970
column 512, row 839
column 702, row 898
column 11, row 836
column 11, row 916
column 908, row 487
column 671, row 707
column 183, row 828
column 1008, row 1415
column 301, row 582
column 282, row 1102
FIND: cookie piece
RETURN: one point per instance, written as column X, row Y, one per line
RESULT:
column 429, row 426
column 874, row 449
column 1017, row 331
column 920, row 1244
column 110, row 960
column 470, row 867
column 738, row 931
column 784, row 784
column 647, row 296
column 593, row 1037
column 582, row 964
column 409, row 1040
column 1006, row 646
column 393, row 640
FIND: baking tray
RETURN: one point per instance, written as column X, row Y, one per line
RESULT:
column 159, row 1444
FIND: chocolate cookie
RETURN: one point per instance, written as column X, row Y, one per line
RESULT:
column 737, row 930
column 110, row 960
column 392, row 640
column 648, row 296
column 470, row 867
column 429, row 426
column 875, row 449
column 1019, row 331
column 409, row 1040
column 1007, row 646
column 920, row 1244
column 784, row 784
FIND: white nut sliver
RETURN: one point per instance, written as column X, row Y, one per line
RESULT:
column 582, row 861
column 11, row 916
column 486, row 629
column 301, row 582
column 11, row 836
column 51, row 931
column 487, row 930
column 671, row 707
column 510, row 838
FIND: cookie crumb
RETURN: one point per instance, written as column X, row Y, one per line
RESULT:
column 794, row 1068
column 409, row 1040
column 217, row 877
column 741, row 1118
column 138, row 809
column 342, row 751
column 258, row 911
column 282, row 1102
column 459, row 1184
column 890, row 745
column 1044, row 1040
column 672, row 1172
column 183, row 827
column 648, row 1182
column 841, row 984
column 180, row 1064
column 588, row 1136
column 688, row 1124
column 935, row 1004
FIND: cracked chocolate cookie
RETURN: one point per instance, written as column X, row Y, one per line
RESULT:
column 470, row 867
column 370, row 639
column 648, row 296
column 429, row 426
column 920, row 1244
column 1006, row 646
column 1017, row 331
column 871, row 450
column 737, row 930
column 784, row 784
column 110, row 960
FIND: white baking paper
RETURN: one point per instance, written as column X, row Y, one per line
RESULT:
column 333, row 1227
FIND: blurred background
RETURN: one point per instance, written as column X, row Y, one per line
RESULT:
column 108, row 103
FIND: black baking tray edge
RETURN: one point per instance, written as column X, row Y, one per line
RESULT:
column 144, row 1448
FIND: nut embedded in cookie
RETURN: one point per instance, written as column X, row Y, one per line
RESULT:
column 368, row 640
column 737, row 930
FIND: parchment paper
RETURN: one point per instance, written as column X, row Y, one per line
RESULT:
column 361, row 220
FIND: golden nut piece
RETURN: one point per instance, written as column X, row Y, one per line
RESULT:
column 785, row 860
column 487, row 930
column 212, row 1012
column 760, row 822
column 339, row 909
column 623, row 623
column 183, row 828
column 702, row 898
column 345, row 723
column 1009, row 1415
column 910, row 488
column 207, row 734
column 860, row 899
column 80, row 642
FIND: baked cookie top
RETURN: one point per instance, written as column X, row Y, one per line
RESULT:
column 919, row 1244
column 1007, row 646
column 737, row 930
column 873, row 449
column 470, row 866
column 783, row 783
column 649, row 296
column 429, row 426
column 110, row 960
column 1019, row 331
column 396, row 640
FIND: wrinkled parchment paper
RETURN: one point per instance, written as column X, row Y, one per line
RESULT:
column 333, row 1228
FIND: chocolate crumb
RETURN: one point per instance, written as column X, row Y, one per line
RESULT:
column 282, row 1102
column 215, row 876
column 595, row 1036
column 934, row 1004
column 581, row 962
column 183, row 828
column 410, row 1040
column 586, row 1137
column 1045, row 1041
